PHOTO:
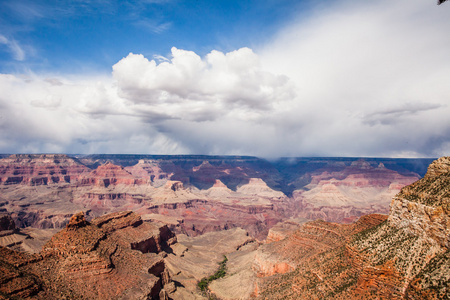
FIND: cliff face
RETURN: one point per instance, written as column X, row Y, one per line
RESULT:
column 404, row 257
column 34, row 195
column 115, row 256
column 39, row 169
column 423, row 208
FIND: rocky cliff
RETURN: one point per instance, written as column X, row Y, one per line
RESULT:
column 423, row 208
column 404, row 257
column 116, row 256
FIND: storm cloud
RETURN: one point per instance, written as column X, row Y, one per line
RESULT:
column 349, row 79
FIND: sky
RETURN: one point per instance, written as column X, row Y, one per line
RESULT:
column 268, row 78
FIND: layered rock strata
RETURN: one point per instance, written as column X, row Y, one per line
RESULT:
column 202, row 194
column 40, row 169
column 423, row 208
column 400, row 256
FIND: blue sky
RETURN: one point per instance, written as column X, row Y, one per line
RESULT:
column 266, row 78
column 76, row 36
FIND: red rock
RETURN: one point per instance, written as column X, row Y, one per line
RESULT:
column 149, row 170
column 226, row 192
column 404, row 257
column 110, row 174
column 77, row 221
column 40, row 169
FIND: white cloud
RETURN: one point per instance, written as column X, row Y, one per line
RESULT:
column 145, row 107
column 191, row 88
column 74, row 116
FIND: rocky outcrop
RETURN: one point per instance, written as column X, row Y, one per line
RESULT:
column 6, row 222
column 112, row 257
column 77, row 221
column 14, row 281
column 283, row 229
column 438, row 167
column 150, row 171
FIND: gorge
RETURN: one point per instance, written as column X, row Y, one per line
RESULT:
column 290, row 229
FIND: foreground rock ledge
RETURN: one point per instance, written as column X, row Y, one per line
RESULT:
column 113, row 257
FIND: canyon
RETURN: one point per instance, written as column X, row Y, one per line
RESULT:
column 155, row 226
column 198, row 194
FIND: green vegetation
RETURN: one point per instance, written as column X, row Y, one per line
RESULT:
column 429, row 191
column 433, row 277
column 364, row 235
column 203, row 284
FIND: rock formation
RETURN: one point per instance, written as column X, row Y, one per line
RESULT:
column 110, row 174
column 6, row 222
column 116, row 256
column 40, row 169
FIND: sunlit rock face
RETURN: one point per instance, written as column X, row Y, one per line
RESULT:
column 423, row 208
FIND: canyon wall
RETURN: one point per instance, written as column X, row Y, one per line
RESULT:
column 198, row 194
